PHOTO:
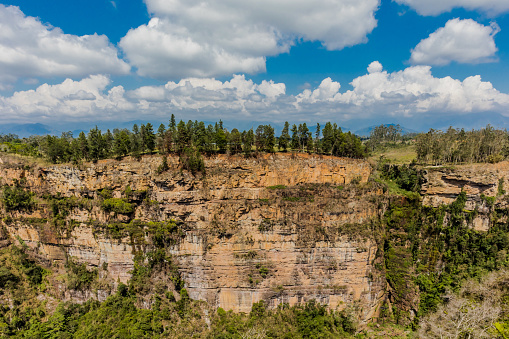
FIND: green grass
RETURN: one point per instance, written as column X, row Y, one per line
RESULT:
column 399, row 155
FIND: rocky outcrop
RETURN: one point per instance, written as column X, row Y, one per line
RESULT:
column 483, row 184
column 280, row 228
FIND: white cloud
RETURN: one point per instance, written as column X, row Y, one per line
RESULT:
column 205, row 38
column 375, row 67
column 235, row 97
column 436, row 7
column 463, row 41
column 324, row 92
column 412, row 92
column 415, row 91
column 31, row 49
column 85, row 100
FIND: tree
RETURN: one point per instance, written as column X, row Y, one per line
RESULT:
column 247, row 141
column 260, row 138
column 221, row 138
column 295, row 138
column 201, row 138
column 161, row 139
column 149, row 138
column 310, row 144
column 235, row 141
column 108, row 144
column 83, row 146
column 57, row 150
column 183, row 137
column 270, row 140
column 317, row 138
column 471, row 313
column 328, row 138
column 303, row 135
column 95, row 144
column 284, row 139
column 136, row 142
column 121, row 143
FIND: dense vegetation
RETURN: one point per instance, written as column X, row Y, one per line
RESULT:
column 429, row 252
column 460, row 146
column 190, row 140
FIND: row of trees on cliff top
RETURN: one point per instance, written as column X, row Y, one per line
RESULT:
column 181, row 137
column 452, row 146
column 460, row 146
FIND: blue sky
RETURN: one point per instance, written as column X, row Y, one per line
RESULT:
column 421, row 63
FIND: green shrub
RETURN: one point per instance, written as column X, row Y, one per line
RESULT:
column 106, row 193
column 276, row 187
column 79, row 278
column 16, row 198
column 7, row 277
column 118, row 206
column 164, row 166
column 191, row 160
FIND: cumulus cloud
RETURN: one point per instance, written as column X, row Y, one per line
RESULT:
column 463, row 41
column 237, row 97
column 29, row 48
column 436, row 7
column 415, row 91
column 412, row 92
column 204, row 38
column 85, row 100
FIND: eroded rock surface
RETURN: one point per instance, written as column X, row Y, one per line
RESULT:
column 280, row 228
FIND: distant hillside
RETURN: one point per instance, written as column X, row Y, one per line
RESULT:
column 365, row 132
column 26, row 130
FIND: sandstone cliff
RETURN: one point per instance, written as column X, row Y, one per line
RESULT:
column 484, row 184
column 279, row 228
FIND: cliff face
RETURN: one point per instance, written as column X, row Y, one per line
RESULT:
column 483, row 184
column 279, row 228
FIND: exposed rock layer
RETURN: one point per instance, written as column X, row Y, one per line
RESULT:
column 280, row 228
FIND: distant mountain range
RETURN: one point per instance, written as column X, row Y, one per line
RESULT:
column 26, row 130
column 408, row 125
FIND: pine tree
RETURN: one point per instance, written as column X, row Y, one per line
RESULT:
column 328, row 138
column 121, row 143
column 295, row 138
column 247, row 141
column 95, row 144
column 83, row 146
column 149, row 138
column 221, row 139
column 183, row 138
column 260, row 138
column 270, row 140
column 161, row 139
column 317, row 139
column 108, row 144
column 201, row 139
column 303, row 135
column 235, row 141
column 284, row 139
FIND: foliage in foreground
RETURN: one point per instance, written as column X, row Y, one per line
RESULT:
column 118, row 317
column 429, row 251
column 478, row 310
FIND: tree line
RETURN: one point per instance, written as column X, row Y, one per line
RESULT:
column 460, row 146
column 179, row 138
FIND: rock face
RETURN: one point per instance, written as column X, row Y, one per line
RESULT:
column 483, row 184
column 279, row 228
